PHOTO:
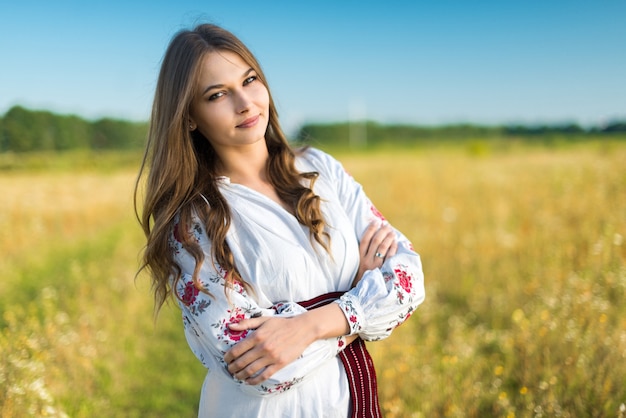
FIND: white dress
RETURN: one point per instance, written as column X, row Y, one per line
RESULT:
column 275, row 254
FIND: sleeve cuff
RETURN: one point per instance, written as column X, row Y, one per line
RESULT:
column 353, row 311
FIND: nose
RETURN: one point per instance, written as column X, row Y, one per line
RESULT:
column 242, row 102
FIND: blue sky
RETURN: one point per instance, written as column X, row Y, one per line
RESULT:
column 418, row 62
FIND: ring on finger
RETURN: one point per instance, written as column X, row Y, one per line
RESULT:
column 379, row 255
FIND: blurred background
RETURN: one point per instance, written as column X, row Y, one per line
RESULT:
column 493, row 134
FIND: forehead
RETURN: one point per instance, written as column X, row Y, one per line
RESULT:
column 220, row 66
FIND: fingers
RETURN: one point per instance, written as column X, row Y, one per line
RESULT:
column 393, row 249
column 378, row 242
column 259, row 363
column 367, row 237
column 252, row 364
column 251, row 323
column 383, row 243
column 246, row 344
column 238, row 350
column 272, row 346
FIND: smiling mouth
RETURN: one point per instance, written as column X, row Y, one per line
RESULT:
column 249, row 122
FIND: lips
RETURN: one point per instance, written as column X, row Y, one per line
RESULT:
column 250, row 122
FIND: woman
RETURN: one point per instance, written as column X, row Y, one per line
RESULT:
column 247, row 233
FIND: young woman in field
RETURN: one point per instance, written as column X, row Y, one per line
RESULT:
column 247, row 233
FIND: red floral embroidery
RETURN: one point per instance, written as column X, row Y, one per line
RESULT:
column 377, row 213
column 340, row 343
column 190, row 294
column 400, row 296
column 235, row 335
column 403, row 318
column 282, row 387
column 238, row 287
column 404, row 280
column 351, row 314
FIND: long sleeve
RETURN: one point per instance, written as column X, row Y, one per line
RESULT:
column 208, row 312
column 387, row 296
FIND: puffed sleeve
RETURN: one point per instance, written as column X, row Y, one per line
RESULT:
column 207, row 313
column 387, row 296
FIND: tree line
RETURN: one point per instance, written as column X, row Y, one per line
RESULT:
column 24, row 130
column 371, row 133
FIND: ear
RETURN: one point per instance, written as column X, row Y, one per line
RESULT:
column 192, row 125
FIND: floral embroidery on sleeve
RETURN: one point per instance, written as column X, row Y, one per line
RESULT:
column 351, row 315
column 377, row 213
column 403, row 283
column 402, row 317
column 189, row 298
column 175, row 239
column 287, row 308
column 341, row 344
column 235, row 316
column 408, row 314
column 238, row 287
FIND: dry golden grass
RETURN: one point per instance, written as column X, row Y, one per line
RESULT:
column 524, row 256
column 40, row 211
column 524, row 260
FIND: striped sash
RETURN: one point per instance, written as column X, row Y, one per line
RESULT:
column 359, row 368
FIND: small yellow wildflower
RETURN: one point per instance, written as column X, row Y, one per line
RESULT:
column 518, row 316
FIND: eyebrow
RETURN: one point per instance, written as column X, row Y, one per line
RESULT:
column 218, row 86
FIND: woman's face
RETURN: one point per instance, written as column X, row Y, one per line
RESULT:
column 232, row 106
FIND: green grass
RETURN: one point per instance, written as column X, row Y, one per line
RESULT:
column 79, row 322
column 74, row 160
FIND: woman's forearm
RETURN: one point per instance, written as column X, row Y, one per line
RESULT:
column 325, row 322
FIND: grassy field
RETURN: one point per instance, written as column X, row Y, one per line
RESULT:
column 524, row 254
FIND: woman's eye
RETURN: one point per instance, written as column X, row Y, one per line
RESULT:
column 217, row 95
column 249, row 80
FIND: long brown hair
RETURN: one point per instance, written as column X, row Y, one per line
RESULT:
column 181, row 164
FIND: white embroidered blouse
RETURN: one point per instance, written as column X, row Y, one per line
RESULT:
column 275, row 254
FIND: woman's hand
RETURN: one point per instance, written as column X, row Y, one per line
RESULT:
column 378, row 242
column 275, row 343
column 278, row 341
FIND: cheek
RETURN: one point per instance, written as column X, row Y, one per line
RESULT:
column 267, row 100
column 262, row 96
column 210, row 127
column 211, row 120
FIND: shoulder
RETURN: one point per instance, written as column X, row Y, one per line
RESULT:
column 313, row 159
column 193, row 229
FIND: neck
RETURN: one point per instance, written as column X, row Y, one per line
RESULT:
column 245, row 164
